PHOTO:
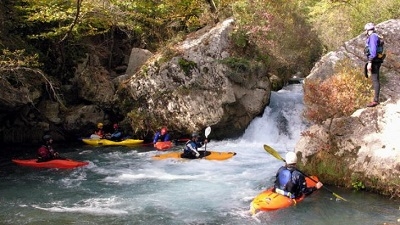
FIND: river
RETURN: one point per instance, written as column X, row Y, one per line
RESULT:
column 123, row 185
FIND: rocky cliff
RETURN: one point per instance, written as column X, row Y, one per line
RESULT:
column 368, row 152
column 198, row 84
column 190, row 85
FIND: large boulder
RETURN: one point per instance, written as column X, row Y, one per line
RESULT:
column 197, row 84
column 93, row 82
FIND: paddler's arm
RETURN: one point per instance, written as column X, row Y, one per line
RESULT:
column 189, row 145
column 312, row 189
column 303, row 186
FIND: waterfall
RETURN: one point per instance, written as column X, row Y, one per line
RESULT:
column 282, row 122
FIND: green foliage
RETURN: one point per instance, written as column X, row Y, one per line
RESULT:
column 358, row 185
column 63, row 31
column 337, row 96
column 347, row 18
column 279, row 32
column 18, row 58
column 240, row 67
column 237, row 64
column 329, row 167
column 186, row 65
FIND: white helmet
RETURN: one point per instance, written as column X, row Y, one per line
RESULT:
column 291, row 158
column 369, row 26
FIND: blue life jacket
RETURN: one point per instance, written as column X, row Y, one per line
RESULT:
column 284, row 177
column 284, row 182
column 160, row 137
column 193, row 144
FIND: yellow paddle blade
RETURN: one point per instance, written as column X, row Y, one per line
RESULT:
column 339, row 197
column 274, row 153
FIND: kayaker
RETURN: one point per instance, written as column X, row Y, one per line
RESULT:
column 161, row 135
column 99, row 133
column 117, row 135
column 191, row 147
column 46, row 151
column 290, row 182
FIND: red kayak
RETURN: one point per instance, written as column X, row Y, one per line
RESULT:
column 163, row 145
column 55, row 163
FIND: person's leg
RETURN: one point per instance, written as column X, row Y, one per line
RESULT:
column 375, row 83
column 375, row 80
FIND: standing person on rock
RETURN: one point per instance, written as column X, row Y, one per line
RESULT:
column 374, row 60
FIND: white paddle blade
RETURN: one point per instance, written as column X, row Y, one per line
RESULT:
column 207, row 132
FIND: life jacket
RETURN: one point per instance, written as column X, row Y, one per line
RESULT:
column 380, row 50
column 117, row 135
column 191, row 143
column 45, row 153
column 284, row 184
column 99, row 132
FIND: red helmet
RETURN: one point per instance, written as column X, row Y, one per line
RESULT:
column 115, row 126
column 163, row 130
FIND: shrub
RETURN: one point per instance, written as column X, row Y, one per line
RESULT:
column 339, row 95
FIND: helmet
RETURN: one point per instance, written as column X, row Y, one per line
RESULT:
column 46, row 137
column 369, row 26
column 163, row 130
column 99, row 125
column 195, row 135
column 291, row 158
column 115, row 126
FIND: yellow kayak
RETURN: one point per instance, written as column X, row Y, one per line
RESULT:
column 106, row 142
column 210, row 155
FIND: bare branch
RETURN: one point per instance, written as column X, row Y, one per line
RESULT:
column 50, row 88
column 78, row 9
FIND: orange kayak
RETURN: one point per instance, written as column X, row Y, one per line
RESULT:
column 269, row 200
column 163, row 145
column 210, row 155
column 55, row 163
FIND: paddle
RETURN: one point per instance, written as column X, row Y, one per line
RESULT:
column 274, row 153
column 206, row 133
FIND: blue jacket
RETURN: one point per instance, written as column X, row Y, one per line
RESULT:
column 117, row 135
column 292, row 181
column 372, row 44
column 159, row 137
column 192, row 146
